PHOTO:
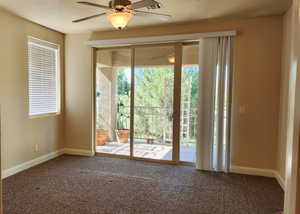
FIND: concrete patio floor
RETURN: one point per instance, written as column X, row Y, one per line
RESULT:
column 158, row 151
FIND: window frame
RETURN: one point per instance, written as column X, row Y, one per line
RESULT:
column 56, row 47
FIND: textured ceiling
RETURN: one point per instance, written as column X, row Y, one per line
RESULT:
column 58, row 14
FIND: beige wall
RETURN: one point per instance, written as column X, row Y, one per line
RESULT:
column 78, row 123
column 256, row 84
column 19, row 133
column 284, row 95
column 290, row 111
column 292, row 166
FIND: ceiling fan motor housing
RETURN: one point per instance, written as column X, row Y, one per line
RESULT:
column 119, row 4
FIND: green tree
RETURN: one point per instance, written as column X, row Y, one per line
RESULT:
column 153, row 99
column 123, row 83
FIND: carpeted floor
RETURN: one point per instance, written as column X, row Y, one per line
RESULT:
column 81, row 185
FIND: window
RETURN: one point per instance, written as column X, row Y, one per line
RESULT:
column 43, row 68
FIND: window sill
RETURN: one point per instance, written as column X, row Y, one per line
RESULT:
column 44, row 115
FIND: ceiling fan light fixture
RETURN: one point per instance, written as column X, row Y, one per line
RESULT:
column 120, row 19
column 120, row 12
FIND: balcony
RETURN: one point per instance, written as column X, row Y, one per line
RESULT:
column 152, row 134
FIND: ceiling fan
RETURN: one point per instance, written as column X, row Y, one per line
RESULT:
column 119, row 12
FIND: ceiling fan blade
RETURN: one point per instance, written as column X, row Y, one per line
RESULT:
column 143, row 3
column 89, row 17
column 152, row 15
column 94, row 5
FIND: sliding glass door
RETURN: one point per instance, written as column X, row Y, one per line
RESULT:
column 138, row 111
column 113, row 95
column 153, row 102
column 189, row 102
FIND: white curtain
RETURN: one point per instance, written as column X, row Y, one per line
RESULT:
column 213, row 143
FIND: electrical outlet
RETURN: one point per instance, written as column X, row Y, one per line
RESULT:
column 36, row 148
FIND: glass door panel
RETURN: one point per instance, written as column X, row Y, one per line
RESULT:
column 113, row 94
column 153, row 102
column 189, row 103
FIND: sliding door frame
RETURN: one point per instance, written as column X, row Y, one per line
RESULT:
column 132, row 91
column 94, row 52
column 176, row 102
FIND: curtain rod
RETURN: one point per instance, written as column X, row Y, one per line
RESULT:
column 156, row 39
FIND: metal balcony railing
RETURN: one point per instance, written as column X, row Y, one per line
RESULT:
column 157, row 122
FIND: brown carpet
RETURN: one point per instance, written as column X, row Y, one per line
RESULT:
column 81, row 185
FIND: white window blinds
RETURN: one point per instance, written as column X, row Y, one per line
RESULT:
column 43, row 77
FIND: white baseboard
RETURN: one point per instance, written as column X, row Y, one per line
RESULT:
column 258, row 172
column 81, row 152
column 252, row 171
column 280, row 180
column 21, row 167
